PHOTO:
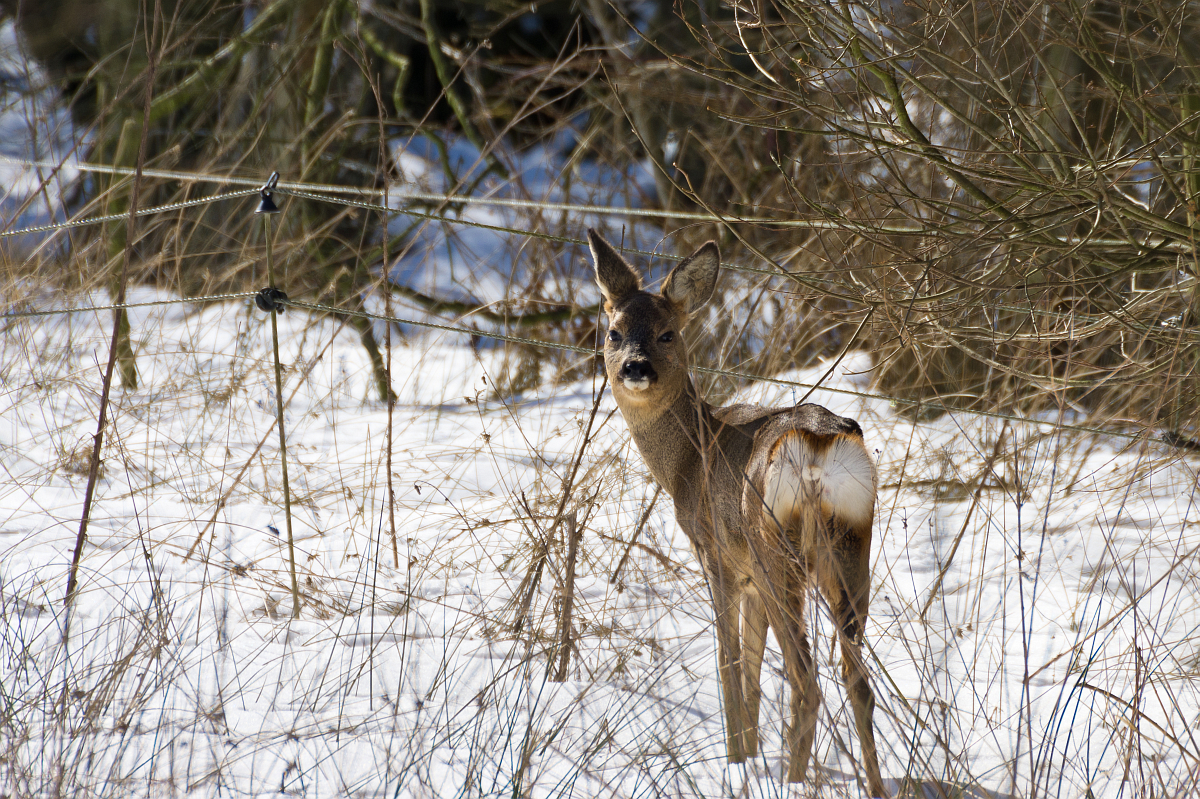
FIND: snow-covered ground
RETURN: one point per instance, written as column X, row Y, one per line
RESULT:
column 1059, row 653
column 1033, row 618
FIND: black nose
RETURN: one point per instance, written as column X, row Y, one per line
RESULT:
column 637, row 370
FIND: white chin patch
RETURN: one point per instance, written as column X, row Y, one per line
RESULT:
column 637, row 385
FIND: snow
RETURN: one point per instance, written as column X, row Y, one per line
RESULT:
column 1069, row 601
column 1058, row 654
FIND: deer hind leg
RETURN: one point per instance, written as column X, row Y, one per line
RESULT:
column 782, row 590
column 781, row 580
column 848, row 593
column 754, row 641
column 805, row 703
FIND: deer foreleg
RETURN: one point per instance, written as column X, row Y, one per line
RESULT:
column 754, row 641
column 729, row 662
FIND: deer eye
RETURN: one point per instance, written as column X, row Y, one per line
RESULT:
column 666, row 338
column 614, row 337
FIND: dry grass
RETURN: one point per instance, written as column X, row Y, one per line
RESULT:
column 1033, row 618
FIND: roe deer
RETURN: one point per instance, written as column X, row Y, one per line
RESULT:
column 769, row 498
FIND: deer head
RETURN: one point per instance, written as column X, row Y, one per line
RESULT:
column 644, row 353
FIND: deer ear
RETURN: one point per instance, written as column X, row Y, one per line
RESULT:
column 691, row 284
column 615, row 276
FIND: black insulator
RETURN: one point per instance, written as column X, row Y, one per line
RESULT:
column 271, row 299
column 266, row 205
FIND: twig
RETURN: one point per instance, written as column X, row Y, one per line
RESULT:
column 568, row 598
column 534, row 576
column 637, row 532
column 287, row 496
column 1138, row 714
column 118, row 319
column 980, row 480
column 433, row 40
column 663, row 560
column 130, row 137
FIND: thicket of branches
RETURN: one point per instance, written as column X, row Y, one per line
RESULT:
column 1043, row 156
column 1005, row 192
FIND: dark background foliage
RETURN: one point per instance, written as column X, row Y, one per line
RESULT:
column 997, row 199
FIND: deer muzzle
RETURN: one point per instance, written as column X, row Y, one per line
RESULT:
column 637, row 375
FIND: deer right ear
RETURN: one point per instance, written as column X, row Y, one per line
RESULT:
column 691, row 284
column 614, row 275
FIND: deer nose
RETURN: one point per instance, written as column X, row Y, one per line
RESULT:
column 637, row 371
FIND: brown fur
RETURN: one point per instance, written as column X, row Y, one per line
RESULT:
column 717, row 464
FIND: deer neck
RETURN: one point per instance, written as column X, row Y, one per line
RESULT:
column 669, row 437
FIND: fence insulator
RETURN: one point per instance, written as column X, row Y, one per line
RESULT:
column 270, row 299
column 266, row 205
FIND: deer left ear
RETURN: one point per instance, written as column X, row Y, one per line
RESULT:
column 691, row 284
column 614, row 275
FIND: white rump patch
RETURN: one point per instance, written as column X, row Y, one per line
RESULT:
column 841, row 479
column 849, row 484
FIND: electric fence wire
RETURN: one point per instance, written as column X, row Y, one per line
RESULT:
column 321, row 192
column 285, row 188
